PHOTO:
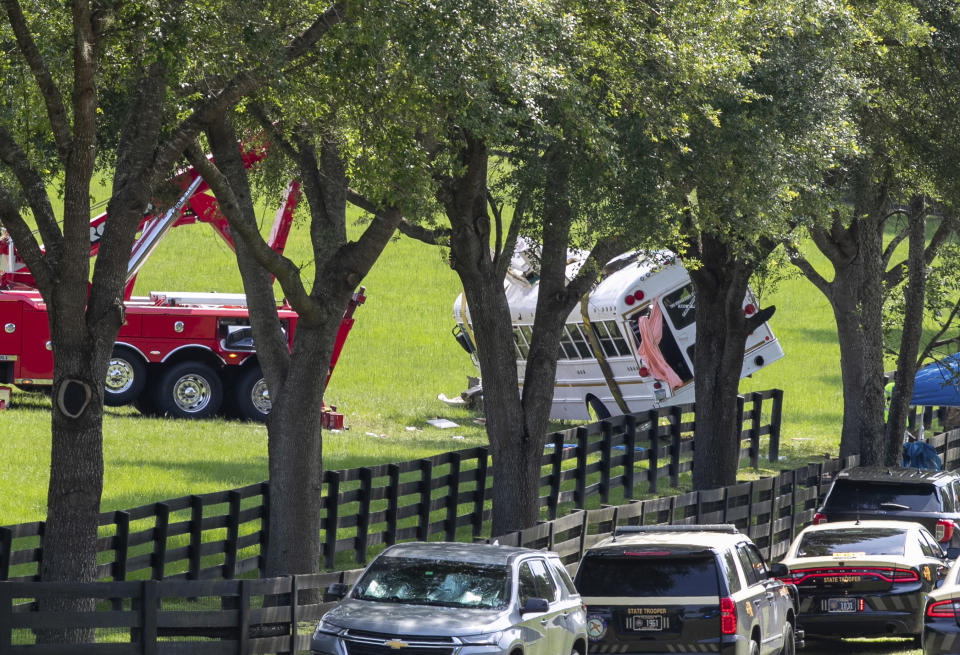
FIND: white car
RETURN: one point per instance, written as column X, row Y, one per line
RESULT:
column 864, row 578
column 441, row 598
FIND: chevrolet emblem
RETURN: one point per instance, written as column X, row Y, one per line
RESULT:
column 396, row 644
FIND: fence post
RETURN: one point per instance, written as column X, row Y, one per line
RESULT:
column 6, row 618
column 653, row 430
column 630, row 451
column 580, row 493
column 233, row 536
column 481, row 492
column 606, row 446
column 676, row 417
column 196, row 536
column 330, row 523
column 776, row 416
column 264, row 526
column 423, row 520
column 363, row 516
column 556, row 472
column 393, row 484
column 756, row 403
column 160, row 540
column 149, row 598
column 6, row 545
column 243, row 640
column 294, row 612
column 453, row 496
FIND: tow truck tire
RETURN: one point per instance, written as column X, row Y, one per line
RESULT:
column 126, row 378
column 189, row 390
column 251, row 401
column 789, row 640
column 754, row 647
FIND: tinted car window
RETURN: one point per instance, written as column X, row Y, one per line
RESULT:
column 562, row 575
column 850, row 495
column 756, row 559
column 946, row 495
column 693, row 575
column 869, row 541
column 747, row 565
column 435, row 582
column 935, row 549
column 730, row 571
column 535, row 581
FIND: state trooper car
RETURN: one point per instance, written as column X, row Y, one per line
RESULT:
column 864, row 578
column 442, row 598
column 941, row 617
column 685, row 589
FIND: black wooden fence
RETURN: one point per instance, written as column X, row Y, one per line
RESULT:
column 276, row 615
column 221, row 535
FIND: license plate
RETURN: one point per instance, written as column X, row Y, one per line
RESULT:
column 648, row 623
column 841, row 605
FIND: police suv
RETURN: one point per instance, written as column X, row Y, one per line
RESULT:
column 685, row 589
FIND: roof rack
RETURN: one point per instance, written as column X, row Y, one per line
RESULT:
column 725, row 528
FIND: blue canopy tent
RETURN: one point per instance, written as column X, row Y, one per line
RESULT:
column 938, row 384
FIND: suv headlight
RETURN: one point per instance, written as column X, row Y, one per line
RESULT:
column 325, row 627
column 483, row 639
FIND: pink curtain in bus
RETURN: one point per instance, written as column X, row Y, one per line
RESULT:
column 651, row 330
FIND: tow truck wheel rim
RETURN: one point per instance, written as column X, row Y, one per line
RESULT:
column 120, row 375
column 192, row 393
column 260, row 397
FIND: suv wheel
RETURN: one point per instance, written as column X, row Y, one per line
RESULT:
column 789, row 640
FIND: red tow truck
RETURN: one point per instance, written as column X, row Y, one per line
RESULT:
column 181, row 354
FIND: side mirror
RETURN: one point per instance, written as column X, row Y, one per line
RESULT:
column 335, row 592
column 532, row 605
column 779, row 570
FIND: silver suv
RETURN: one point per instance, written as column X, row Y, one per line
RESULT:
column 442, row 598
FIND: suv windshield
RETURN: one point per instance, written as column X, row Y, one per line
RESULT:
column 435, row 582
column 869, row 541
column 851, row 495
column 648, row 575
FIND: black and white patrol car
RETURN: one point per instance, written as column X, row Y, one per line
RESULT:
column 864, row 578
column 685, row 589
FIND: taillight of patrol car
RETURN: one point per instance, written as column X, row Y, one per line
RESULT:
column 819, row 518
column 943, row 609
column 728, row 617
column 944, row 530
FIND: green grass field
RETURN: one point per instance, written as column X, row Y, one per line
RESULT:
column 398, row 357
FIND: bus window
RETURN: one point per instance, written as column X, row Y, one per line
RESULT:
column 566, row 345
column 680, row 305
column 523, row 348
column 669, row 348
column 580, row 341
column 611, row 340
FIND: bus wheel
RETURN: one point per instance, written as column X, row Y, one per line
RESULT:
column 596, row 409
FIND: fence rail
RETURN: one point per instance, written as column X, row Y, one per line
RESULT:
column 274, row 615
column 221, row 535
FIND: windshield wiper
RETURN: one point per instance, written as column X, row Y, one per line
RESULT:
column 893, row 506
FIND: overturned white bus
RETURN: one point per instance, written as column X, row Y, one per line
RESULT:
column 627, row 347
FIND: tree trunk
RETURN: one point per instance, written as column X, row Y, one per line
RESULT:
column 910, row 338
column 856, row 296
column 295, row 455
column 720, row 285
